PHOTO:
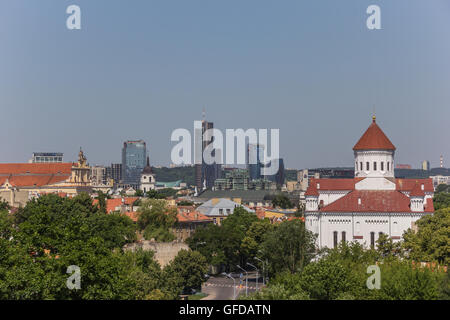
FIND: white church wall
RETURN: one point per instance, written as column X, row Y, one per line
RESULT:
column 330, row 196
column 375, row 184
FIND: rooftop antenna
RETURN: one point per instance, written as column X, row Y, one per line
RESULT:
column 204, row 114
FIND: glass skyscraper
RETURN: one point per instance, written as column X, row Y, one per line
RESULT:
column 133, row 161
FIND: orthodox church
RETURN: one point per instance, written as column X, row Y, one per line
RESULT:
column 372, row 203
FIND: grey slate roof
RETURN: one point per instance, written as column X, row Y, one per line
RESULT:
column 210, row 209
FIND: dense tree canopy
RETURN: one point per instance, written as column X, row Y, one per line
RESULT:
column 282, row 201
column 225, row 244
column 155, row 220
column 341, row 273
column 289, row 247
column 51, row 233
column 432, row 240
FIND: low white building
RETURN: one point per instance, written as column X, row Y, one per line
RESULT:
column 440, row 179
column 373, row 202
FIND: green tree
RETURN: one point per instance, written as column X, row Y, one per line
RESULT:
column 254, row 237
column 326, row 279
column 442, row 188
column 282, row 201
column 101, row 197
column 191, row 266
column 441, row 200
column 289, row 247
column 387, row 248
column 401, row 281
column 156, row 219
column 432, row 240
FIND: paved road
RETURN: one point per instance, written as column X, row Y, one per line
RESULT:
column 221, row 288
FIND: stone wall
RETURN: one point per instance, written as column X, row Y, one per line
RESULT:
column 164, row 251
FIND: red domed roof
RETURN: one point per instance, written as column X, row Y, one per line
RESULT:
column 374, row 139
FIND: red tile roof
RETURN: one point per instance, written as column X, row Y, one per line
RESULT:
column 34, row 174
column 417, row 191
column 133, row 215
column 334, row 184
column 312, row 189
column 112, row 204
column 408, row 184
column 193, row 216
column 33, row 180
column 374, row 139
column 35, row 168
column 373, row 201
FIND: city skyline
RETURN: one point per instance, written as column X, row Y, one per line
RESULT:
column 142, row 71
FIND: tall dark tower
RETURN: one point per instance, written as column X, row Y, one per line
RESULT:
column 206, row 174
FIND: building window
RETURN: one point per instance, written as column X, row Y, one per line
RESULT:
column 382, row 166
column 335, row 239
column 220, row 211
column 372, row 240
column 361, row 166
column 367, row 166
column 343, row 236
column 374, row 166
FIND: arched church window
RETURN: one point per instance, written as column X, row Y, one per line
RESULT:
column 388, row 166
column 367, row 166
column 382, row 166
column 374, row 166
column 361, row 166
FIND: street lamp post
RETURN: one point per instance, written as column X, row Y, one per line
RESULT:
column 264, row 274
column 234, row 284
column 257, row 274
column 246, row 280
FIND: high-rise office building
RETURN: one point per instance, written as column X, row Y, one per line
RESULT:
column 206, row 174
column 114, row 172
column 279, row 176
column 255, row 160
column 98, row 175
column 133, row 161
column 425, row 165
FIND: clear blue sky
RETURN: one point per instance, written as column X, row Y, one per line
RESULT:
column 139, row 69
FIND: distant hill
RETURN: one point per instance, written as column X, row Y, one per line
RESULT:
column 419, row 173
column 186, row 174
